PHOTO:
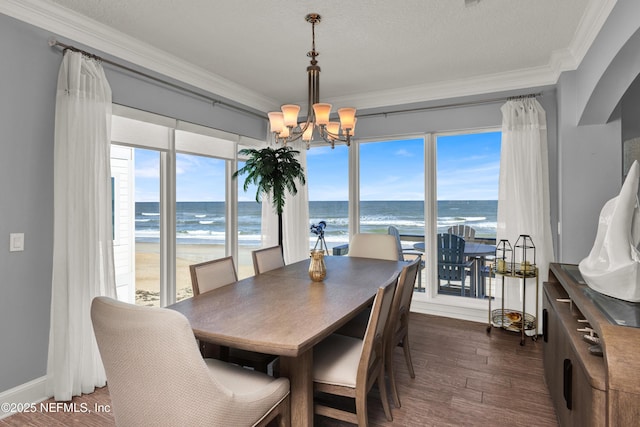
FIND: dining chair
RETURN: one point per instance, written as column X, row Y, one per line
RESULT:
column 407, row 254
column 452, row 264
column 397, row 332
column 267, row 259
column 349, row 367
column 156, row 375
column 374, row 245
column 207, row 276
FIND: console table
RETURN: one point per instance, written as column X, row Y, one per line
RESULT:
column 588, row 390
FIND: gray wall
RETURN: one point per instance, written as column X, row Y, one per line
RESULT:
column 28, row 78
column 28, row 73
column 590, row 155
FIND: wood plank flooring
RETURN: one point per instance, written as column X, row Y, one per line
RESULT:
column 464, row 377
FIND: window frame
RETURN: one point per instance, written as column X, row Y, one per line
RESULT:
column 164, row 141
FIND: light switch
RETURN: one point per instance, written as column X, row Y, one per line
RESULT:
column 16, row 242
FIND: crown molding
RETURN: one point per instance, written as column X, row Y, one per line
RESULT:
column 68, row 24
column 512, row 80
column 592, row 21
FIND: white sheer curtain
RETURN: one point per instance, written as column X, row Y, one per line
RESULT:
column 295, row 218
column 82, row 250
column 523, row 195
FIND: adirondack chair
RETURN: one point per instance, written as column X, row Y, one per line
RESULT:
column 464, row 231
column 452, row 264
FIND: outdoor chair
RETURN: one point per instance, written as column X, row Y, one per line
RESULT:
column 452, row 264
column 466, row 232
column 407, row 254
column 156, row 376
column 210, row 275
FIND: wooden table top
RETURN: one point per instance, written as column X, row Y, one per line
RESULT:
column 282, row 311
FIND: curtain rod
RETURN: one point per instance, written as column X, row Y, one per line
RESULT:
column 453, row 105
column 53, row 42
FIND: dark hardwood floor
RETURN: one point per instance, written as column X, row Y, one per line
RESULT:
column 464, row 377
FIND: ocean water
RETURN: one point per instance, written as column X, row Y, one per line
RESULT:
column 203, row 222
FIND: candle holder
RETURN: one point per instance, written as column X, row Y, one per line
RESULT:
column 527, row 254
column 504, row 257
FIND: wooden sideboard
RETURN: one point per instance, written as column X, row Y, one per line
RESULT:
column 587, row 390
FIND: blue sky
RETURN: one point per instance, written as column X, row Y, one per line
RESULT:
column 468, row 167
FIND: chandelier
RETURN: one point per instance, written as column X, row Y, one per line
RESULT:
column 284, row 124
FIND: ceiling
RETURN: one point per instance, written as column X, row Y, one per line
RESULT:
column 372, row 52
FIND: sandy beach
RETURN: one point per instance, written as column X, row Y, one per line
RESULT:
column 148, row 268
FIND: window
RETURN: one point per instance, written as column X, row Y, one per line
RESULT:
column 175, row 203
column 328, row 181
column 249, row 226
column 200, row 215
column 467, row 195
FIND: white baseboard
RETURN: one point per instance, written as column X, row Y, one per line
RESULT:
column 473, row 314
column 34, row 391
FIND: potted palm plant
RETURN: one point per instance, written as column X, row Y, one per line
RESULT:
column 274, row 172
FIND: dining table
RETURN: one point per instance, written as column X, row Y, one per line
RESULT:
column 283, row 312
column 477, row 251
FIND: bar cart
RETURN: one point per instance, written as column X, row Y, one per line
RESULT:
column 524, row 268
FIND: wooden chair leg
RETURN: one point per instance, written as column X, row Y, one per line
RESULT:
column 391, row 372
column 382, row 387
column 361, row 409
column 407, row 355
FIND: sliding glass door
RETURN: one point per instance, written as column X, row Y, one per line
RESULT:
column 468, row 166
column 200, row 215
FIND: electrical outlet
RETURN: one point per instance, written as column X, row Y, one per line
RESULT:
column 16, row 242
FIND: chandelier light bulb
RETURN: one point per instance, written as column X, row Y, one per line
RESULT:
column 290, row 112
column 276, row 122
column 333, row 129
column 284, row 133
column 308, row 132
column 322, row 112
column 347, row 118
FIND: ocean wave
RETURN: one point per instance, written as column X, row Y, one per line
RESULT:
column 150, row 214
column 474, row 218
column 200, row 215
column 143, row 220
column 205, row 222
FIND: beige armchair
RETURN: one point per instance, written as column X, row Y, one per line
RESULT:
column 373, row 245
column 213, row 274
column 267, row 259
column 348, row 366
column 156, row 376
